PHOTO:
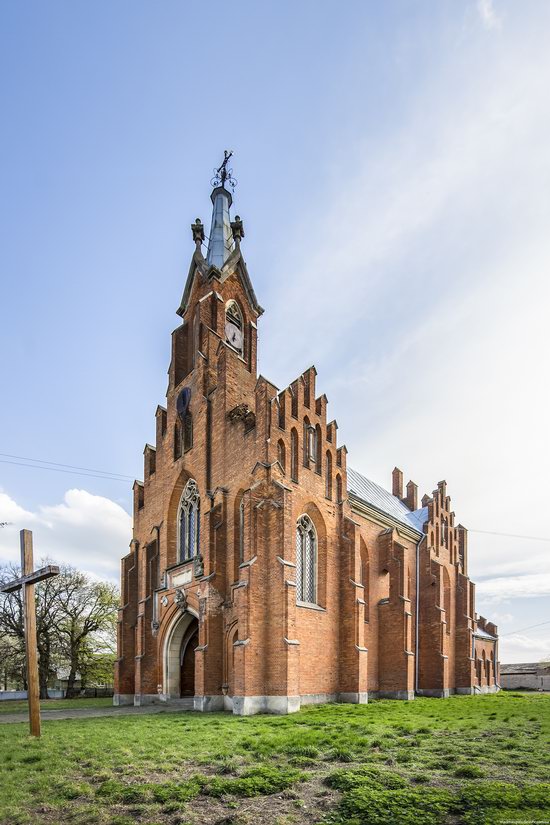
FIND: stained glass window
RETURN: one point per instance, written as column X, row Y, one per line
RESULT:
column 189, row 522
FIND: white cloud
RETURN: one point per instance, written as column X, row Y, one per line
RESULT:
column 521, row 648
column 488, row 15
column 429, row 270
column 514, row 587
column 88, row 531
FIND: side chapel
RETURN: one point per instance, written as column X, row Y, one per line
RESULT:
column 264, row 573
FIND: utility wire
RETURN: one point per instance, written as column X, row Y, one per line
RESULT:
column 91, row 473
column 70, row 472
column 69, row 466
column 508, row 535
column 521, row 629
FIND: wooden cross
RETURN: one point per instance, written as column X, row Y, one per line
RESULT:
column 26, row 584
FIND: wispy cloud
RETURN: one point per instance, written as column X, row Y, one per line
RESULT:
column 88, row 531
column 505, row 588
column 488, row 15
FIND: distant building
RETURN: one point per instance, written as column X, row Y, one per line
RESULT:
column 525, row 676
column 264, row 573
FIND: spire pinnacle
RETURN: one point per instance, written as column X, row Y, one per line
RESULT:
column 221, row 242
column 222, row 174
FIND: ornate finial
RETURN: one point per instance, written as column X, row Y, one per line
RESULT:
column 222, row 174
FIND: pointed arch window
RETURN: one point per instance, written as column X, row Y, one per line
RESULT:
column 328, row 475
column 234, row 327
column 189, row 522
column 281, row 454
column 241, row 531
column 294, row 454
column 306, row 561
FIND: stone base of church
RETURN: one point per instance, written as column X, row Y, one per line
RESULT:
column 249, row 705
column 403, row 695
column 465, row 691
column 353, row 698
column 436, row 693
column 318, row 698
column 209, row 704
column 141, row 699
column 120, row 699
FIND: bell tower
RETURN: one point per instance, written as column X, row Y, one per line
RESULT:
column 218, row 296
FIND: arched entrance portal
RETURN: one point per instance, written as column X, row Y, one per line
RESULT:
column 187, row 659
column 179, row 656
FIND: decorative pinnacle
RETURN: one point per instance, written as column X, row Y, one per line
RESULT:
column 222, row 174
column 197, row 229
column 237, row 229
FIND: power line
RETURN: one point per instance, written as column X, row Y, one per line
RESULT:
column 500, row 635
column 508, row 535
column 69, row 472
column 69, row 466
column 107, row 474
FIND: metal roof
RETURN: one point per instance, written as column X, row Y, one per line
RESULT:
column 482, row 634
column 521, row 668
column 220, row 242
column 371, row 493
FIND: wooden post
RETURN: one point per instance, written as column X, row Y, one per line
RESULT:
column 29, row 577
column 31, row 648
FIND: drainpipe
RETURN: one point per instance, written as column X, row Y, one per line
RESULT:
column 156, row 586
column 417, row 615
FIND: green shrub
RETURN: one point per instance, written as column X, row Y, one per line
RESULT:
column 340, row 755
column 170, row 792
column 490, row 795
column 260, row 781
column 469, row 772
column 301, row 761
column 396, row 807
column 537, row 796
column 346, row 779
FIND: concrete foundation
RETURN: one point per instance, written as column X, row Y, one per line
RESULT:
column 120, row 699
column 404, row 695
column 354, row 698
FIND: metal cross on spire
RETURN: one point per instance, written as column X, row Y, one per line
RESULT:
column 222, row 174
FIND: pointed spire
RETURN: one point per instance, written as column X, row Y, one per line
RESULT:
column 221, row 244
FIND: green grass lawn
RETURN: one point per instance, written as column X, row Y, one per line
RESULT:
column 18, row 706
column 471, row 760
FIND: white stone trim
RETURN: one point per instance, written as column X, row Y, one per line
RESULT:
column 248, row 563
column 285, row 562
column 171, row 652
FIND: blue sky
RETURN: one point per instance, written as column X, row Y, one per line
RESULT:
column 394, row 172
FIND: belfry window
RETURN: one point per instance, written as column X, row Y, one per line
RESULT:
column 306, row 561
column 234, row 327
column 189, row 522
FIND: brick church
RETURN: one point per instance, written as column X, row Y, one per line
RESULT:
column 264, row 573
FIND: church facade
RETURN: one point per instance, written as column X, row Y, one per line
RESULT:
column 264, row 572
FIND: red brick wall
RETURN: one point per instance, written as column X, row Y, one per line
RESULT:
column 254, row 639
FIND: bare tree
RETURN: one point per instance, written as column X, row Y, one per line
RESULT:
column 46, row 595
column 75, row 618
column 87, row 622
